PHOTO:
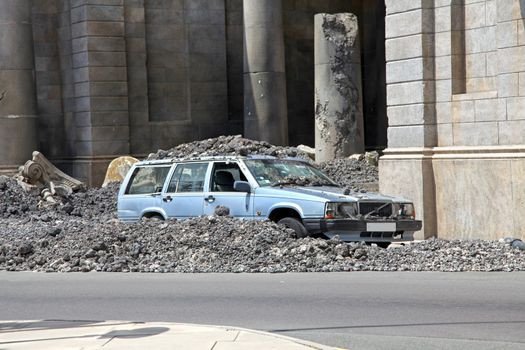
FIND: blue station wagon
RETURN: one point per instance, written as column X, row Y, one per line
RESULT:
column 289, row 191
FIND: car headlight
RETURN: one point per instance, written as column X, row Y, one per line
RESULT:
column 344, row 210
column 405, row 210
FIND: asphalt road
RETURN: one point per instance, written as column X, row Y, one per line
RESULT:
column 364, row 310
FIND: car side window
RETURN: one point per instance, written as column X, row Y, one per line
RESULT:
column 224, row 176
column 188, row 178
column 147, row 180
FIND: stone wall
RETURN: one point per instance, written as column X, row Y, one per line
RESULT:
column 128, row 76
column 18, row 110
column 51, row 129
column 454, row 108
column 119, row 77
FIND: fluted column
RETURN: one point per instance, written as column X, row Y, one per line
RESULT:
column 265, row 106
column 18, row 136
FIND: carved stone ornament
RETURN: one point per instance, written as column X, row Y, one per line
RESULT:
column 40, row 172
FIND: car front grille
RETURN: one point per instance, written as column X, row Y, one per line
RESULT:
column 367, row 207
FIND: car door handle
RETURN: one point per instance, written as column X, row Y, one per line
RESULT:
column 210, row 199
column 167, row 199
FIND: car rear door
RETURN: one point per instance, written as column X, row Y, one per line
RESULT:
column 183, row 197
column 143, row 192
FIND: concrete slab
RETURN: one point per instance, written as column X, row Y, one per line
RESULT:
column 85, row 335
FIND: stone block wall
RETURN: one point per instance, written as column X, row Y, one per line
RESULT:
column 99, row 78
column 120, row 77
column 51, row 130
column 455, row 117
column 18, row 110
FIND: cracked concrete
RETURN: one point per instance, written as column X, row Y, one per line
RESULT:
column 338, row 91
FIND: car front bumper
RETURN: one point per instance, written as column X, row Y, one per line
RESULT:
column 368, row 231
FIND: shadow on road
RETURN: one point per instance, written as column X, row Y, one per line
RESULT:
column 67, row 326
column 25, row 326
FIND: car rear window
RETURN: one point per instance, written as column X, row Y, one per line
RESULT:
column 146, row 180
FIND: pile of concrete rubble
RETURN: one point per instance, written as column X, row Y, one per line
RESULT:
column 357, row 173
column 78, row 230
column 54, row 243
column 228, row 145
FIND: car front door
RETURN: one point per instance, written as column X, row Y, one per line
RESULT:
column 183, row 197
column 220, row 191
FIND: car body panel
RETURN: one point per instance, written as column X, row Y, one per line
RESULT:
column 239, row 203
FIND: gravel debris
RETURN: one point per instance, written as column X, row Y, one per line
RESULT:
column 225, row 244
column 82, row 234
column 228, row 145
column 357, row 175
column 15, row 202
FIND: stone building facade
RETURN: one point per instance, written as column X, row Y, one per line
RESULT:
column 88, row 80
column 456, row 92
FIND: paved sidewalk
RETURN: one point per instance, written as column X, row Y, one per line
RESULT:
column 111, row 335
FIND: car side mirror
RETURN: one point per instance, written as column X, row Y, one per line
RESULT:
column 242, row 186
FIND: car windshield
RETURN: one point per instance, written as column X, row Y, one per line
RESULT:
column 278, row 172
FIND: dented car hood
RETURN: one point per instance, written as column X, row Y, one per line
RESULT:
column 333, row 194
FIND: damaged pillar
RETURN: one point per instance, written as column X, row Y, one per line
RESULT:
column 265, row 107
column 339, row 129
column 18, row 138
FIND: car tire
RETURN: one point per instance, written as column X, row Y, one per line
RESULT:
column 296, row 225
column 383, row 245
column 155, row 217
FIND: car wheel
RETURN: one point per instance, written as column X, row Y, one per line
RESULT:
column 296, row 225
column 155, row 217
column 382, row 244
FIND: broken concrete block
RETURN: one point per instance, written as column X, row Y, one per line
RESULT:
column 118, row 168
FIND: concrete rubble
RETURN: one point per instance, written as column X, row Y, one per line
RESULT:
column 228, row 145
column 39, row 174
column 118, row 168
column 82, row 233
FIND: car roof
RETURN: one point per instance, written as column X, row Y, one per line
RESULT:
column 212, row 158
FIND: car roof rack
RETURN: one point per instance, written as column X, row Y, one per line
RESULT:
column 211, row 158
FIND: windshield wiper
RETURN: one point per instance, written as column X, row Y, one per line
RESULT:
column 302, row 183
column 283, row 183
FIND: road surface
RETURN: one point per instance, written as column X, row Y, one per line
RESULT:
column 362, row 310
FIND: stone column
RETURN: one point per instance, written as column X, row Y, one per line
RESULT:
column 265, row 107
column 99, row 66
column 18, row 137
column 339, row 129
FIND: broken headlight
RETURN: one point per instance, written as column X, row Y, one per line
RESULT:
column 405, row 210
column 344, row 210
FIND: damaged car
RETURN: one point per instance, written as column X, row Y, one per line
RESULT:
column 289, row 191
